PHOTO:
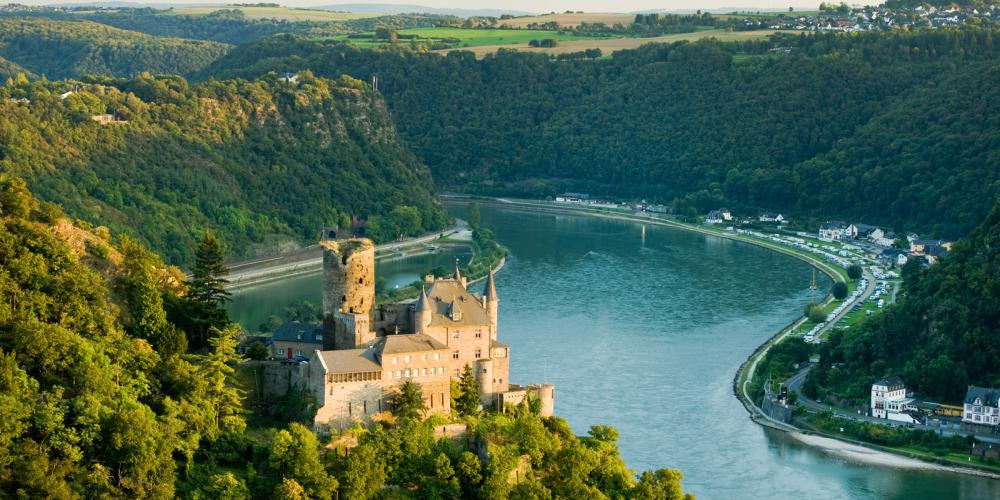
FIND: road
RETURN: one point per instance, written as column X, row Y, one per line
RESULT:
column 306, row 260
column 795, row 384
column 869, row 290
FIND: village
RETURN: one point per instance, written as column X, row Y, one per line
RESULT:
column 843, row 18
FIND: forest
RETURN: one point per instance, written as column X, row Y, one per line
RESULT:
column 941, row 336
column 104, row 393
column 897, row 129
column 62, row 49
column 264, row 164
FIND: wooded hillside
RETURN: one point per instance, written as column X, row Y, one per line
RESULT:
column 262, row 164
column 896, row 129
column 61, row 49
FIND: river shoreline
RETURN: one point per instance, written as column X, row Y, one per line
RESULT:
column 850, row 451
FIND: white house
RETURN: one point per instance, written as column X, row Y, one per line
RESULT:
column 772, row 217
column 982, row 406
column 834, row 230
column 719, row 216
column 889, row 400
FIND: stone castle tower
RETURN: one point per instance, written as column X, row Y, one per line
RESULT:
column 348, row 290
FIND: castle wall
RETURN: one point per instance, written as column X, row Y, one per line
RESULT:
column 501, row 370
column 346, row 403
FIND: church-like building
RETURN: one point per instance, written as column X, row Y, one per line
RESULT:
column 369, row 349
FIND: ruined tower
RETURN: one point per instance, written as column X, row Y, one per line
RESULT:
column 348, row 290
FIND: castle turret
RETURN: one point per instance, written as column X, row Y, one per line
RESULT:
column 422, row 313
column 458, row 274
column 491, row 302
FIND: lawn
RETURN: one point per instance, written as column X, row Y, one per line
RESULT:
column 279, row 13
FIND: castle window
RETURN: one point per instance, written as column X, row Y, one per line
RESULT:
column 437, row 356
column 399, row 373
column 394, row 359
column 479, row 354
column 455, row 334
column 479, row 334
column 454, row 372
column 407, row 372
column 361, row 281
column 454, row 354
column 424, row 372
column 423, row 358
column 406, row 359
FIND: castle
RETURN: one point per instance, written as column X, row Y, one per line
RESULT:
column 369, row 350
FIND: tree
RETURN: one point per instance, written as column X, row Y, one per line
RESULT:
column 469, row 473
column 409, row 401
column 15, row 199
column 854, row 271
column 839, row 290
column 290, row 489
column 207, row 295
column 295, row 455
column 815, row 313
column 467, row 400
column 474, row 215
column 364, row 474
column 218, row 373
column 226, row 487
column 901, row 243
column 407, row 219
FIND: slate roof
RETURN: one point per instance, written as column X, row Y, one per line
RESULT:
column 443, row 293
column 350, row 361
column 988, row 395
column 400, row 343
column 891, row 381
column 297, row 331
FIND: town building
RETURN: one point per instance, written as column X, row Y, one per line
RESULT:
column 982, row 406
column 772, row 217
column 719, row 216
column 573, row 198
column 891, row 401
column 368, row 350
column 863, row 231
column 834, row 231
column 295, row 339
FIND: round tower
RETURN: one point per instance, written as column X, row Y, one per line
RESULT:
column 348, row 276
column 422, row 313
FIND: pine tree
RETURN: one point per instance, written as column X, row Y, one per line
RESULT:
column 467, row 402
column 207, row 295
column 409, row 401
column 218, row 372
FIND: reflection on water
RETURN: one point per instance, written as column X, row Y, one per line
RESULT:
column 643, row 329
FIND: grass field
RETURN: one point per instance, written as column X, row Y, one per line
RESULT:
column 570, row 20
column 609, row 45
column 476, row 37
column 279, row 13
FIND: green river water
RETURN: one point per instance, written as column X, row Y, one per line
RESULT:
column 643, row 328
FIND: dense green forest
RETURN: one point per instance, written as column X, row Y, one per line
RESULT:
column 230, row 26
column 61, row 49
column 262, row 164
column 943, row 334
column 896, row 129
column 100, row 398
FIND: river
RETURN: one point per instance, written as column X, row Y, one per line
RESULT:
column 643, row 328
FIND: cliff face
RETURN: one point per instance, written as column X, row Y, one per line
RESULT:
column 262, row 164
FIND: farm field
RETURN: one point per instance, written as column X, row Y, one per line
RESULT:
column 475, row 37
column 570, row 20
column 609, row 45
column 279, row 13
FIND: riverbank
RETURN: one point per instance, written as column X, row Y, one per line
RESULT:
column 854, row 452
column 309, row 260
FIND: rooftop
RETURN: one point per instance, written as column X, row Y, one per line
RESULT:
column 987, row 395
column 297, row 331
column 443, row 293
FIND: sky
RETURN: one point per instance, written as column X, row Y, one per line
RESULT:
column 523, row 5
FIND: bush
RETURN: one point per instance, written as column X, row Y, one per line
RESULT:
column 854, row 271
column 815, row 313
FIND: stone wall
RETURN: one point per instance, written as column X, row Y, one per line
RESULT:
column 348, row 276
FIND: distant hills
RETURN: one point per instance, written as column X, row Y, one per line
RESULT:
column 391, row 8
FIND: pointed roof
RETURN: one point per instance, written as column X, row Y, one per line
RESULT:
column 458, row 274
column 454, row 310
column 424, row 302
column 490, row 289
